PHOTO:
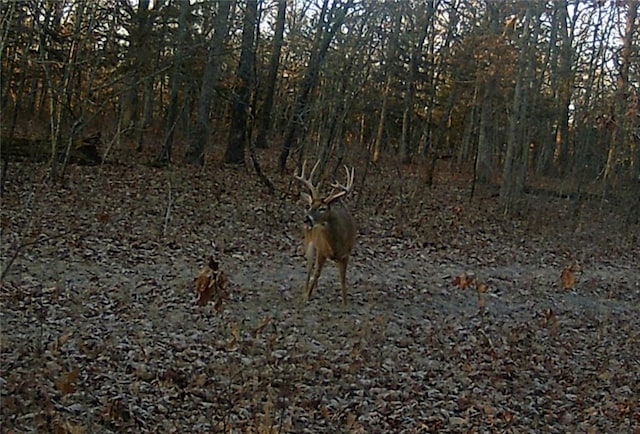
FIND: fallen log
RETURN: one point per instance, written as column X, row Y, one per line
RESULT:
column 84, row 150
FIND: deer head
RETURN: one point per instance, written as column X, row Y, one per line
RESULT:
column 329, row 230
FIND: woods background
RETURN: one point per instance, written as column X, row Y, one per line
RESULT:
column 510, row 91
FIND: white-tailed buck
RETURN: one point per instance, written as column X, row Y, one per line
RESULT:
column 329, row 230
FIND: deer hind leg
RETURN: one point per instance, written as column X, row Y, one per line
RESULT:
column 342, row 269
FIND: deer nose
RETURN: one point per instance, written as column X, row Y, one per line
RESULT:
column 308, row 220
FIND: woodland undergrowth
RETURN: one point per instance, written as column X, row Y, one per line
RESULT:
column 460, row 319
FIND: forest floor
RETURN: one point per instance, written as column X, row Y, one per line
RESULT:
column 101, row 331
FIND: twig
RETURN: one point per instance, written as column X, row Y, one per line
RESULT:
column 20, row 248
column 256, row 166
column 168, row 212
column 363, row 178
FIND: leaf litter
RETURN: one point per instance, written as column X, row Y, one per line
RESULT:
column 458, row 320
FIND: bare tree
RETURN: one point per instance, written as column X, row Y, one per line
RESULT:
column 622, row 122
column 324, row 38
column 198, row 139
column 176, row 85
column 515, row 165
column 390, row 54
column 563, row 88
column 274, row 62
column 138, row 59
column 419, row 32
column 484, row 164
column 239, row 132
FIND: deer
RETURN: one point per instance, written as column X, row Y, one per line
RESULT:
column 329, row 230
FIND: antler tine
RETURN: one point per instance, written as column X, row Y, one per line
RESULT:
column 344, row 189
column 313, row 171
column 350, row 176
column 307, row 181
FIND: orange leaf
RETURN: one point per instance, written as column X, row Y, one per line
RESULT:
column 210, row 282
column 464, row 281
column 568, row 278
column 65, row 383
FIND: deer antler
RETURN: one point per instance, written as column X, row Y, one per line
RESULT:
column 308, row 181
column 344, row 189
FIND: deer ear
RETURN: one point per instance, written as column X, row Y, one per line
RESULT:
column 307, row 197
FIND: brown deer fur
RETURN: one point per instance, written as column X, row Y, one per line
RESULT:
column 329, row 232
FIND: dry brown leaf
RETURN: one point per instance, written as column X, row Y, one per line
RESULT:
column 568, row 277
column 464, row 281
column 551, row 321
column 355, row 366
column 507, row 416
column 117, row 409
column 200, row 380
column 263, row 324
column 103, row 217
column 481, row 301
column 59, row 342
column 235, row 336
column 351, row 419
column 66, row 382
column 211, row 282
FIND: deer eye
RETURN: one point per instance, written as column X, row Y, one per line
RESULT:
column 323, row 208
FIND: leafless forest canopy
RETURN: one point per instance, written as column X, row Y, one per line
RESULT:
column 493, row 285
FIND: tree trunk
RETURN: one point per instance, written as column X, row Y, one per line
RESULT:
column 176, row 85
column 274, row 62
column 406, row 141
column 198, row 139
column 484, row 160
column 621, row 109
column 485, row 152
column 563, row 95
column 392, row 51
column 239, row 131
column 310, row 78
column 377, row 144
column 515, row 165
column 139, row 61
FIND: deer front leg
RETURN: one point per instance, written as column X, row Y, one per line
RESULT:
column 311, row 258
column 320, row 260
column 342, row 269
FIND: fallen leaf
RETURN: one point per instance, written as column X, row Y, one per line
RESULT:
column 568, row 277
column 117, row 409
column 481, row 301
column 263, row 324
column 103, row 217
column 64, row 338
column 235, row 336
column 211, row 282
column 464, row 281
column 66, row 382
